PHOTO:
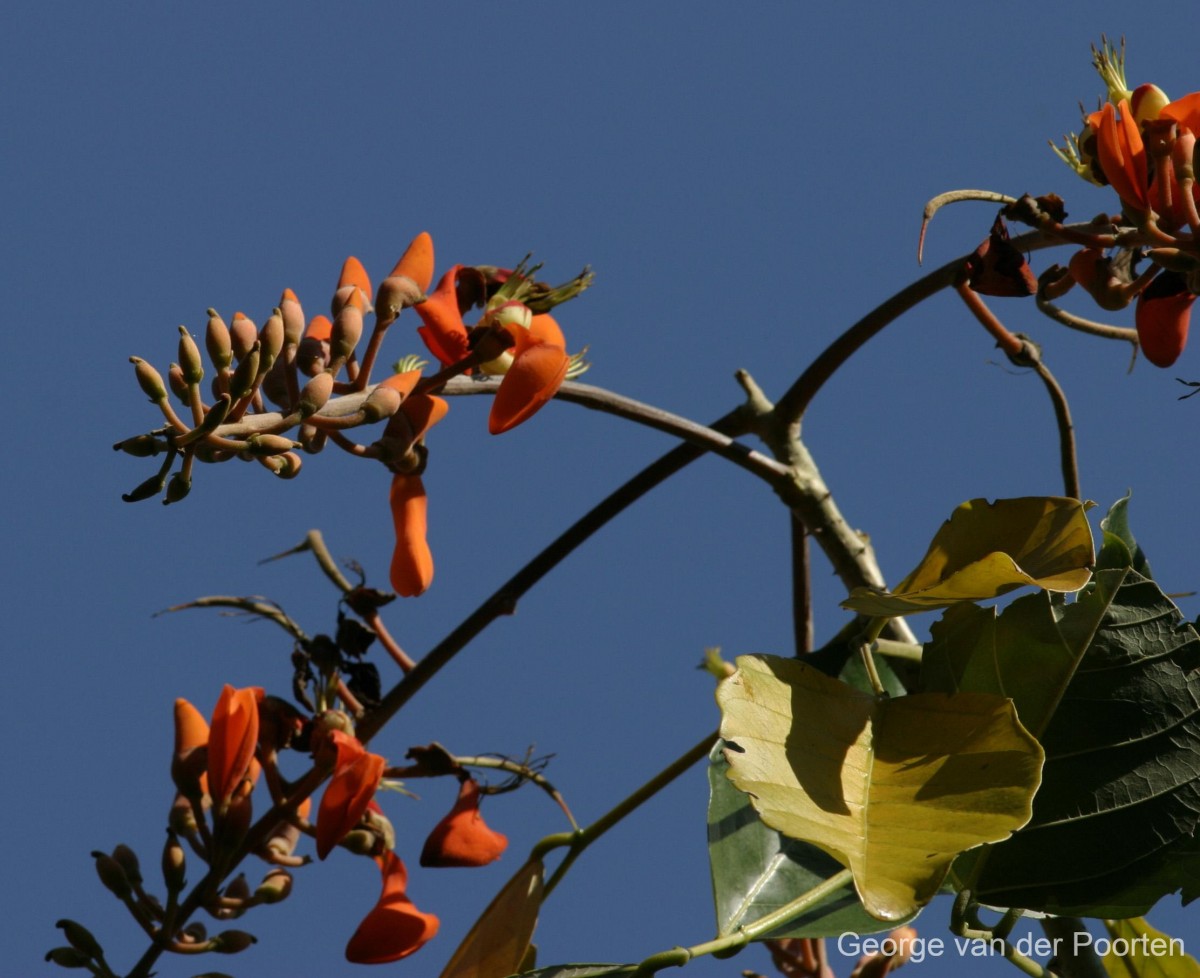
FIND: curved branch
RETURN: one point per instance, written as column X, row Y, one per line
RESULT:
column 795, row 401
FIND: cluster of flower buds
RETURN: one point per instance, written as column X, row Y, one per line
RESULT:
column 311, row 370
column 1141, row 144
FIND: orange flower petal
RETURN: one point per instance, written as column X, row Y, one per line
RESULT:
column 356, row 775
column 417, row 261
column 1163, row 315
column 1185, row 112
column 537, row 371
column 232, row 740
column 462, row 838
column 412, row 560
column 444, row 332
column 423, row 411
column 402, row 383
column 320, row 328
column 1122, row 154
column 544, row 327
column 394, row 928
column 353, row 273
column 191, row 729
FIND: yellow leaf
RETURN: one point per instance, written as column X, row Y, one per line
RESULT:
column 893, row 789
column 986, row 549
column 499, row 942
column 1139, row 951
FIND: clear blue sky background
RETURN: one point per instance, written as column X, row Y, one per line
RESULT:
column 745, row 179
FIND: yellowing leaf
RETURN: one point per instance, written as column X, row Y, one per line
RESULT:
column 893, row 789
column 498, row 944
column 986, row 549
column 1140, row 951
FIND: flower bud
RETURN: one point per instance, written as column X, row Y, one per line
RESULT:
column 139, row 446
column 81, row 938
column 293, row 318
column 243, row 334
column 178, row 486
column 178, row 383
column 382, row 402
column 112, row 875
column 68, row 957
column 149, row 379
column 129, row 862
column 315, row 394
column 276, row 886
column 217, row 341
column 242, row 381
column 270, row 339
column 189, row 358
column 353, row 282
column 232, row 941
column 347, row 331
column 174, row 864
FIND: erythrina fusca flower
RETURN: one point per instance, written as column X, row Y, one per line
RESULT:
column 408, row 281
column 1162, row 316
column 462, row 838
column 394, row 928
column 412, row 561
column 356, row 775
column 538, row 370
column 232, row 739
column 444, row 332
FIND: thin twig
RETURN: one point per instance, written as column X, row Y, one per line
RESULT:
column 1103, row 330
column 1066, row 430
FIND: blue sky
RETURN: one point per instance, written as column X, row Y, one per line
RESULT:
column 746, row 181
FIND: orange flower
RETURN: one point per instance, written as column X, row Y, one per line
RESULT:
column 394, row 928
column 191, row 733
column 462, row 838
column 538, row 370
column 408, row 281
column 412, row 560
column 356, row 775
column 353, row 279
column 1163, row 314
column 1122, row 155
column 232, row 740
column 444, row 332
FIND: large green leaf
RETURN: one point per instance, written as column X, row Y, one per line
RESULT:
column 987, row 549
column 1111, row 684
column 893, row 789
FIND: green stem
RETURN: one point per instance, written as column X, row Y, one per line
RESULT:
column 732, row 943
column 579, row 841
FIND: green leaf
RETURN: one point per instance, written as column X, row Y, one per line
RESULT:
column 498, row 943
column 1152, row 954
column 1118, row 547
column 987, row 549
column 893, row 789
column 1030, row 653
column 1111, row 684
column 756, row 870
